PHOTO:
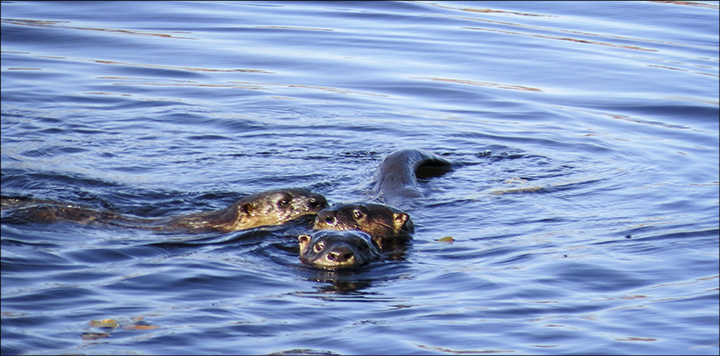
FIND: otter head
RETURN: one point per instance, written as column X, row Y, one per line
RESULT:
column 275, row 207
column 337, row 249
column 378, row 220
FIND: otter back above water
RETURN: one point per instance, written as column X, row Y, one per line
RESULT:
column 396, row 179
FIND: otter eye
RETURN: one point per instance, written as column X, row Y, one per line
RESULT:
column 283, row 202
column 314, row 202
column 358, row 214
column 319, row 246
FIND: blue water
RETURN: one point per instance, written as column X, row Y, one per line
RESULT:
column 584, row 206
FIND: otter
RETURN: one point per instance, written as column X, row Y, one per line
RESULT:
column 396, row 184
column 337, row 249
column 396, row 180
column 386, row 225
column 48, row 211
column 273, row 207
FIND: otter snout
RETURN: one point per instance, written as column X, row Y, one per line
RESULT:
column 337, row 249
column 326, row 217
column 340, row 254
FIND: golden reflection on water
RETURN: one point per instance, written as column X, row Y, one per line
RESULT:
column 689, row 3
column 58, row 24
column 486, row 10
column 599, row 43
column 537, row 29
column 188, row 69
column 294, row 28
column 120, row 81
column 482, row 84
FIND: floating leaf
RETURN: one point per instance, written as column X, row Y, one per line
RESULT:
column 141, row 327
column 446, row 239
column 105, row 323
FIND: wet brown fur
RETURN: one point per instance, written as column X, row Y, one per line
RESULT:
column 337, row 249
column 384, row 223
column 273, row 207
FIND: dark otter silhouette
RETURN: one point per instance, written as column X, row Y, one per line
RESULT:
column 396, row 179
column 273, row 207
column 337, row 249
column 396, row 183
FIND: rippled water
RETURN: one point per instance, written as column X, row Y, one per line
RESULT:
column 584, row 206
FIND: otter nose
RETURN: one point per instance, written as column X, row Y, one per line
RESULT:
column 327, row 217
column 340, row 254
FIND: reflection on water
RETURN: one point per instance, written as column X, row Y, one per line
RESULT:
column 60, row 24
column 582, row 216
column 492, row 85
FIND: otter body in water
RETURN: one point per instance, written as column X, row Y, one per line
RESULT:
column 396, row 177
column 337, row 249
column 48, row 211
column 273, row 207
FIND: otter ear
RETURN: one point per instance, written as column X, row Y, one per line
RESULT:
column 246, row 209
column 304, row 240
column 399, row 219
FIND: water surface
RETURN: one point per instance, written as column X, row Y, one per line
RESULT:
column 584, row 206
